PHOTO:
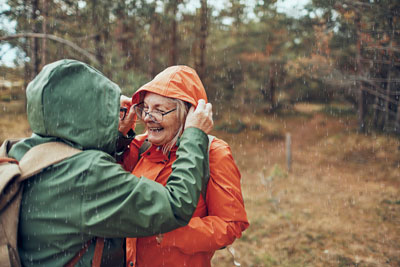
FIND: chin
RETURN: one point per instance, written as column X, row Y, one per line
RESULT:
column 154, row 141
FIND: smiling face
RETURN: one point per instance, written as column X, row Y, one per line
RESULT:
column 160, row 133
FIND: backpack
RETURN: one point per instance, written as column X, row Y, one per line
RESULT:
column 12, row 176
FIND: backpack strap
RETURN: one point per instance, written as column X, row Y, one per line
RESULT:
column 6, row 146
column 79, row 255
column 8, row 160
column 33, row 162
column 146, row 144
column 98, row 252
column 207, row 174
column 44, row 155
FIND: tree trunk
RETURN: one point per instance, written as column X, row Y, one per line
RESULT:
column 44, row 31
column 375, row 117
column 124, row 32
column 99, row 32
column 201, row 68
column 27, row 73
column 397, row 122
column 361, row 110
column 174, row 42
column 361, row 96
column 386, row 119
column 272, row 88
column 389, row 78
column 35, row 42
column 153, row 46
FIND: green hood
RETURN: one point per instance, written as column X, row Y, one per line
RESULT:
column 70, row 100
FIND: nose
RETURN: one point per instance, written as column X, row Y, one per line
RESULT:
column 148, row 118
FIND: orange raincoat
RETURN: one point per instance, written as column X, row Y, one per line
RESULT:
column 218, row 220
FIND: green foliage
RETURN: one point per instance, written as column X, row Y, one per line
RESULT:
column 231, row 127
column 339, row 111
column 254, row 54
column 277, row 172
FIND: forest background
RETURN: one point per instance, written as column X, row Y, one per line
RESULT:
column 315, row 95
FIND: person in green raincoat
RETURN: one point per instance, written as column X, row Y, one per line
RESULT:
column 89, row 195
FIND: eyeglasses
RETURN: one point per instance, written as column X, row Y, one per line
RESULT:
column 122, row 113
column 155, row 116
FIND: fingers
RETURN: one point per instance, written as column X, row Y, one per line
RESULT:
column 201, row 104
column 125, row 101
column 131, row 116
column 201, row 117
column 129, row 122
column 202, row 107
column 191, row 110
column 209, row 109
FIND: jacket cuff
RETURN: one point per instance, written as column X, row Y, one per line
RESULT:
column 194, row 132
column 123, row 143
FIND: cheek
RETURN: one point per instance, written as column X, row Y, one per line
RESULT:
column 173, row 129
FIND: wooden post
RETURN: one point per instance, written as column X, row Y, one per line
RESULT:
column 289, row 151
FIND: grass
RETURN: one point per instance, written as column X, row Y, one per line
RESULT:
column 332, row 209
column 338, row 206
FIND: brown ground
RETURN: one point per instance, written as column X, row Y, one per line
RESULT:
column 338, row 206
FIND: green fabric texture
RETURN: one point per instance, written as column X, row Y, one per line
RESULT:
column 89, row 195
column 62, row 99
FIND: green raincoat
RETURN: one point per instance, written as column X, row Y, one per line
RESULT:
column 89, row 195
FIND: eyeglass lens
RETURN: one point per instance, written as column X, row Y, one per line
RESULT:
column 154, row 116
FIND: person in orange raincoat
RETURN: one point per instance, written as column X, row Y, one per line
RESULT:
column 220, row 218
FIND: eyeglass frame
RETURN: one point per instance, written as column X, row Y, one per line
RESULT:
column 146, row 113
column 124, row 110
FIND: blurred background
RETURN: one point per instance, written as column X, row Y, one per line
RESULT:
column 305, row 92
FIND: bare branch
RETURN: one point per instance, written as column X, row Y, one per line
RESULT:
column 365, row 79
column 355, row 3
column 376, row 47
column 375, row 93
column 54, row 38
column 377, row 61
column 375, row 106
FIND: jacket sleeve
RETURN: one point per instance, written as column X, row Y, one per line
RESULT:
column 226, row 214
column 118, row 204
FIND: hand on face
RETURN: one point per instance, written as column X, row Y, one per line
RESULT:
column 201, row 117
column 129, row 121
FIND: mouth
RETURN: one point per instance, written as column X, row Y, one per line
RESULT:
column 155, row 129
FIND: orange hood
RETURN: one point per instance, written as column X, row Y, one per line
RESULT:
column 180, row 82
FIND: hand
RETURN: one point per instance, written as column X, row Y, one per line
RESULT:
column 201, row 117
column 125, row 101
column 129, row 122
